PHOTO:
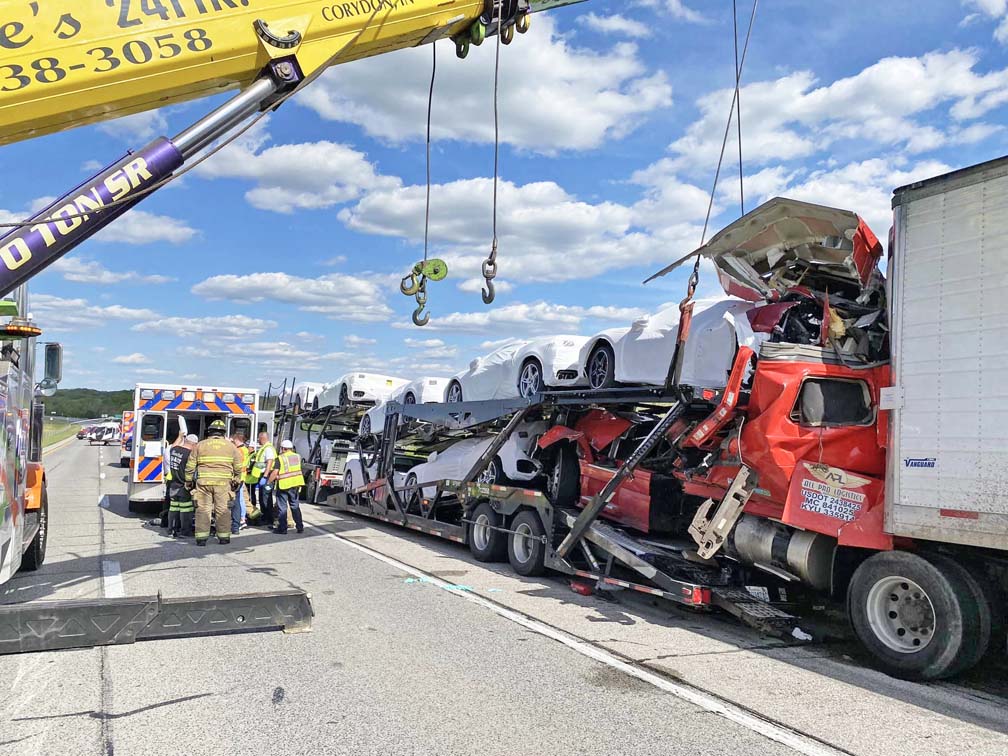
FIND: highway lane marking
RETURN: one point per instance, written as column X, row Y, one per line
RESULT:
column 112, row 582
column 708, row 702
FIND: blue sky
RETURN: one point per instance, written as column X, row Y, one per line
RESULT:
column 281, row 255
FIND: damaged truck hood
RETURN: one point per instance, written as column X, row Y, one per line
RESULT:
column 785, row 243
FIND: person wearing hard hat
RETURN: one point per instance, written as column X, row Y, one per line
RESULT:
column 180, row 515
column 214, row 469
column 288, row 480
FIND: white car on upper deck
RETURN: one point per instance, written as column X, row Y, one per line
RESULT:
column 359, row 388
column 520, row 368
column 419, row 391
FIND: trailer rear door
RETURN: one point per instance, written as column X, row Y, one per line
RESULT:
column 947, row 474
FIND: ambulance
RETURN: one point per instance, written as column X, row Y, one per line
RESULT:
column 162, row 413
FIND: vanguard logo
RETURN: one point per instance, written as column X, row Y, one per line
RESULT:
column 919, row 461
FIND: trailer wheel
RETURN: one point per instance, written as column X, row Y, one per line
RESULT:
column 526, row 551
column 348, row 485
column 920, row 618
column 563, row 483
column 309, row 491
column 485, row 543
column 33, row 558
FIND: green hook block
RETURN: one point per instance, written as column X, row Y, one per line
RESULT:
column 434, row 269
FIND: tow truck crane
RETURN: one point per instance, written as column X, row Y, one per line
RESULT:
column 65, row 65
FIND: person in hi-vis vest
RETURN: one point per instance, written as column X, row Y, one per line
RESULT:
column 288, row 480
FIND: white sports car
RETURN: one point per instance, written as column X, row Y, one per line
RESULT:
column 520, row 369
column 513, row 462
column 421, row 391
column 306, row 395
column 359, row 388
column 353, row 475
column 641, row 354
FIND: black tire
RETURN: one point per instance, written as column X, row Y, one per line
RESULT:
column 124, row 462
column 526, row 552
column 314, row 404
column 310, row 489
column 953, row 627
column 601, row 367
column 563, row 481
column 486, row 544
column 409, row 398
column 365, row 426
column 33, row 558
column 454, row 393
column 348, row 486
column 344, row 396
column 493, row 474
column 411, row 494
column 530, row 379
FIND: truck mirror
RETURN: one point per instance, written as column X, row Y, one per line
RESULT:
column 53, row 363
column 46, row 387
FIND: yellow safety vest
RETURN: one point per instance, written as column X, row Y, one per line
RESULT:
column 290, row 475
column 259, row 466
column 245, row 454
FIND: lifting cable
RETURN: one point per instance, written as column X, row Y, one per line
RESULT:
column 224, row 142
column 490, row 264
column 686, row 305
column 738, row 107
column 695, row 277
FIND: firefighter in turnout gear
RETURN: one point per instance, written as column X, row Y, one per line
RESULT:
column 215, row 469
column 180, row 514
column 288, row 480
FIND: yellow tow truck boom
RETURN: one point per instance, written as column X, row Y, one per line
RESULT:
column 63, row 65
column 62, row 68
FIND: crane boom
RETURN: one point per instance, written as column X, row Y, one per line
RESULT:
column 115, row 57
column 61, row 68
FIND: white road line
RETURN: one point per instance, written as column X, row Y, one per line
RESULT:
column 112, row 582
column 778, row 733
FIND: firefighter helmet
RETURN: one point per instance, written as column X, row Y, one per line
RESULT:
column 217, row 426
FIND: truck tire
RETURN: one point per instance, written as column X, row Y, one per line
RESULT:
column 563, row 482
column 33, row 558
column 310, row 489
column 919, row 617
column 526, row 552
column 486, row 544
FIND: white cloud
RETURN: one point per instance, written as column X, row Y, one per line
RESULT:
column 615, row 24
column 151, row 371
column 864, row 187
column 476, row 285
column 91, row 271
column 137, row 358
column 352, row 340
column 564, row 239
column 433, row 349
column 795, row 117
column 141, row 227
column 534, row 318
column 309, row 175
column 60, row 314
column 337, row 296
column 581, row 97
column 309, row 336
column 677, row 9
column 994, row 9
column 134, row 128
column 224, row 326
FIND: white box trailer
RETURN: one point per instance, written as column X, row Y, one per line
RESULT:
column 948, row 461
column 161, row 412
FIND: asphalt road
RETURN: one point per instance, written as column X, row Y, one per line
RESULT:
column 417, row 649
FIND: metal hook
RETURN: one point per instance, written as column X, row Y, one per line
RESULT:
column 488, row 293
column 409, row 285
column 417, row 319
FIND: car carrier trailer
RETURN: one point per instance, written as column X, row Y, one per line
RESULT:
column 522, row 526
